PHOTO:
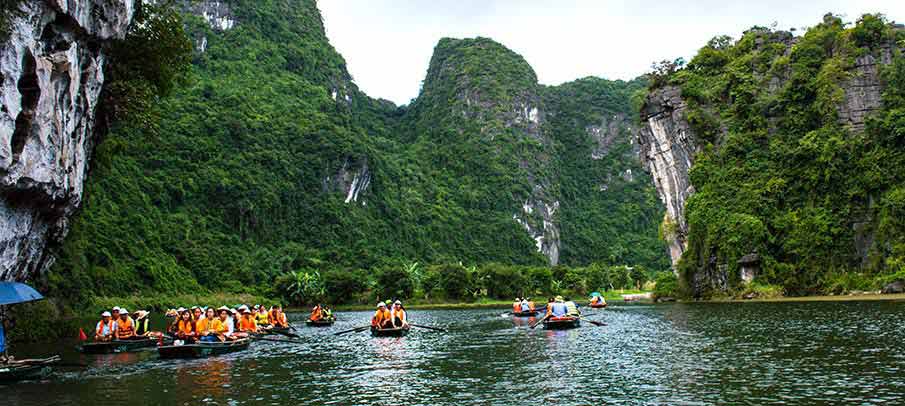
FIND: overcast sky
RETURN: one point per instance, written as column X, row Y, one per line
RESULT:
column 387, row 44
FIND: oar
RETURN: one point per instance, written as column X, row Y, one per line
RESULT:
column 430, row 328
column 594, row 322
column 541, row 320
column 355, row 330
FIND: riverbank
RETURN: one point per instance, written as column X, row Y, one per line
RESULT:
column 615, row 295
column 827, row 298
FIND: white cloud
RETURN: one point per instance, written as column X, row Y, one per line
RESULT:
column 388, row 43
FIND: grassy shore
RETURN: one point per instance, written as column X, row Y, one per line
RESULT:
column 834, row 298
column 615, row 295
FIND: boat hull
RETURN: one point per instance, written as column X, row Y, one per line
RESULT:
column 116, row 346
column 202, row 350
column 319, row 323
column 529, row 313
column 19, row 372
column 389, row 332
column 562, row 323
column 597, row 306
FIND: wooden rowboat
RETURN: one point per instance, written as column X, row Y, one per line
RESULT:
column 117, row 346
column 390, row 332
column 30, row 369
column 320, row 323
column 529, row 313
column 597, row 305
column 562, row 323
column 202, row 349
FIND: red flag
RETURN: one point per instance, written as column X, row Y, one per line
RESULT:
column 82, row 336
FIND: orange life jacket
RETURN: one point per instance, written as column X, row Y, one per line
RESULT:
column 399, row 313
column 517, row 307
column 531, row 306
column 201, row 326
column 248, row 324
column 186, row 327
column 380, row 317
column 124, row 328
column 219, row 326
column 100, row 327
column 316, row 314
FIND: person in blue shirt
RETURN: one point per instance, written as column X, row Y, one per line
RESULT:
column 559, row 308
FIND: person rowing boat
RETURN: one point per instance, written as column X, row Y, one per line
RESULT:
column 104, row 330
column 382, row 317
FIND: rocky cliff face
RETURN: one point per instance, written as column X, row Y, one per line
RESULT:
column 51, row 73
column 668, row 149
column 745, row 132
column 493, row 96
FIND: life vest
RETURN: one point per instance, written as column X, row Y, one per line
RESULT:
column 531, row 306
column 571, row 308
column 141, row 327
column 399, row 313
column 278, row 319
column 202, row 326
column 248, row 324
column 124, row 328
column 262, row 318
column 219, row 326
column 186, row 327
column 380, row 317
column 516, row 307
column 316, row 314
column 103, row 329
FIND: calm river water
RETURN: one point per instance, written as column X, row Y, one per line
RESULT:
column 673, row 354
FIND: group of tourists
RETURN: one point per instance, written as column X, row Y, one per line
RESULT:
column 522, row 305
column 598, row 300
column 562, row 307
column 192, row 324
column 389, row 314
column 119, row 324
column 321, row 313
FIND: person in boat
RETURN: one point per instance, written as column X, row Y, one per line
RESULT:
column 142, row 321
column 220, row 326
column 172, row 318
column 398, row 315
column 277, row 318
column 186, row 327
column 204, row 327
column 247, row 323
column 125, row 327
column 572, row 308
column 559, row 309
column 550, row 305
column 262, row 317
column 598, row 301
column 316, row 313
column 382, row 317
column 517, row 305
column 525, row 306
column 328, row 314
column 197, row 313
column 104, row 329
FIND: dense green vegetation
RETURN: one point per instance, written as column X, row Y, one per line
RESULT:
column 780, row 174
column 237, row 182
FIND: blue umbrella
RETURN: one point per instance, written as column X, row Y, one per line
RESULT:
column 14, row 292
column 596, row 294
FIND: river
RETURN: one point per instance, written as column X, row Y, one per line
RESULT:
column 670, row 354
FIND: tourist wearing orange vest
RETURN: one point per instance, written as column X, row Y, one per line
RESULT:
column 185, row 328
column 316, row 313
column 125, row 328
column 382, row 317
column 247, row 323
column 517, row 305
column 278, row 318
column 398, row 316
column 104, row 329
column 220, row 325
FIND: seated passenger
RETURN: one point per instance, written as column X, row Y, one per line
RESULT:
column 104, row 329
column 125, row 328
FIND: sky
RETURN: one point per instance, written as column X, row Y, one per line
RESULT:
column 388, row 44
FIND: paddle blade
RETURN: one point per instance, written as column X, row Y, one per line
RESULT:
column 82, row 335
